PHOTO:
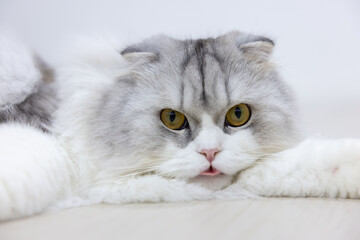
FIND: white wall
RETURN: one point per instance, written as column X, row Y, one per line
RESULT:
column 318, row 42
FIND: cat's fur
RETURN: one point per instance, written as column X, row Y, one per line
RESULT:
column 107, row 143
column 27, row 93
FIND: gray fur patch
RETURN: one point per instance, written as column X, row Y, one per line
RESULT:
column 38, row 107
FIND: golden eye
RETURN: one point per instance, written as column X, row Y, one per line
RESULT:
column 238, row 115
column 173, row 119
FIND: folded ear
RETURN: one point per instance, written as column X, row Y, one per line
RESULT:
column 138, row 55
column 255, row 47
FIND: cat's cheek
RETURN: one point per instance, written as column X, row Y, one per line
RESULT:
column 230, row 164
column 183, row 168
column 238, row 153
column 182, row 163
column 225, row 164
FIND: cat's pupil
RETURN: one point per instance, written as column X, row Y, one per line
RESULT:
column 238, row 112
column 172, row 116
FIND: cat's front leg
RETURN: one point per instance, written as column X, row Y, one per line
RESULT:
column 150, row 188
column 315, row 168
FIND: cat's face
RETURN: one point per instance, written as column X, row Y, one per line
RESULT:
column 198, row 110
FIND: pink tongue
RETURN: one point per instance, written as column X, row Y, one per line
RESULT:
column 210, row 172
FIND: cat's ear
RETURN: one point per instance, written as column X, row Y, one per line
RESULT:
column 137, row 55
column 255, row 47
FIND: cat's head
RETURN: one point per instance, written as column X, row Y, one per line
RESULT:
column 200, row 110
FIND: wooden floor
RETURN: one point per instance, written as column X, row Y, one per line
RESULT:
column 242, row 219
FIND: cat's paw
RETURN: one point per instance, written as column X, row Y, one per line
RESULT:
column 314, row 168
column 19, row 75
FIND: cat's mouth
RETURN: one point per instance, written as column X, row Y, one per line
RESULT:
column 211, row 171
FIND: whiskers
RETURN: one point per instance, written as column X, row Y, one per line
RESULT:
column 267, row 149
column 255, row 155
column 141, row 166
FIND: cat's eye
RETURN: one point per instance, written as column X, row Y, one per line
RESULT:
column 173, row 119
column 238, row 115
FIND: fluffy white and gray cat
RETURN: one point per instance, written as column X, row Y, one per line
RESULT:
column 162, row 120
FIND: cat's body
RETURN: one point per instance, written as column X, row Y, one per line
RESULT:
column 111, row 142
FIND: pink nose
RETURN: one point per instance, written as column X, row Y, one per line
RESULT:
column 210, row 153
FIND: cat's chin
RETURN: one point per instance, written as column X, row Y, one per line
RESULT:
column 215, row 183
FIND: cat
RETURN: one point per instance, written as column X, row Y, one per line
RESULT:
column 162, row 120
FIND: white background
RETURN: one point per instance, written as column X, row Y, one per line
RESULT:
column 317, row 42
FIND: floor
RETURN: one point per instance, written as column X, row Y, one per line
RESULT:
column 273, row 218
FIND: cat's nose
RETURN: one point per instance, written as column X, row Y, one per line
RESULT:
column 210, row 153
